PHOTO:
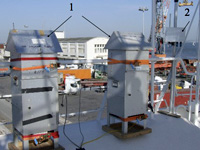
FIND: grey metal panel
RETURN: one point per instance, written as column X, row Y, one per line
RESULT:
column 131, row 96
column 38, row 104
column 32, row 105
column 16, row 112
column 39, row 73
column 174, row 35
column 115, row 96
column 40, row 83
column 136, row 93
column 116, row 71
column 32, row 42
column 33, row 74
column 127, row 41
column 137, row 55
column 42, row 126
column 116, row 54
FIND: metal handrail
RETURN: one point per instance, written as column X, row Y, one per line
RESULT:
column 189, row 105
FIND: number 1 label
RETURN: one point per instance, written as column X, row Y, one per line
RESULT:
column 71, row 5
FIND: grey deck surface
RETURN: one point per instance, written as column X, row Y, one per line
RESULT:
column 168, row 133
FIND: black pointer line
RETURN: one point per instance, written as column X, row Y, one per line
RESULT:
column 185, row 26
column 59, row 26
column 96, row 26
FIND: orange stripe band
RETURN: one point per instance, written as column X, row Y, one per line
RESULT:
column 3, row 69
column 134, row 62
column 31, row 68
column 140, row 117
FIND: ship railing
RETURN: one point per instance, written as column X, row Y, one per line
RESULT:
column 99, row 110
column 162, row 94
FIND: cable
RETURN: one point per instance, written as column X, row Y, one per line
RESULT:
column 79, row 121
column 105, row 134
column 62, row 103
column 65, row 124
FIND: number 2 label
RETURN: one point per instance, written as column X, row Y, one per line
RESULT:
column 187, row 11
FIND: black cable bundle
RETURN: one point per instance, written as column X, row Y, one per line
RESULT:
column 79, row 122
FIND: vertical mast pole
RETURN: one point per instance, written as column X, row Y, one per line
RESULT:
column 173, row 80
column 152, row 52
column 198, row 78
column 143, row 22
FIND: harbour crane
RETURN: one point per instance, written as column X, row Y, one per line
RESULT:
column 186, row 3
column 162, row 7
column 162, row 11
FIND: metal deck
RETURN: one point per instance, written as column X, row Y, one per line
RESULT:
column 168, row 133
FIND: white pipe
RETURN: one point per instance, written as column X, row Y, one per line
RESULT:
column 185, row 69
column 162, row 94
column 183, row 94
column 82, row 61
column 5, row 96
column 81, row 113
column 5, row 123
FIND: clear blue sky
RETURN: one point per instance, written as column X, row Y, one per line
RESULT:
column 110, row 15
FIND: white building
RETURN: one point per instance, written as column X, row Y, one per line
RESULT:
column 84, row 48
column 60, row 34
column 2, row 50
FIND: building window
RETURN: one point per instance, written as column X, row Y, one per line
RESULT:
column 80, row 50
column 99, row 48
column 72, row 50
